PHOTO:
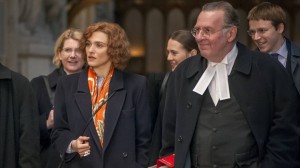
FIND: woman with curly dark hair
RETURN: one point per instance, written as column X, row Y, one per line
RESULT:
column 102, row 114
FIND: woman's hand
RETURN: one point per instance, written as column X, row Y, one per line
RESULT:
column 50, row 120
column 81, row 145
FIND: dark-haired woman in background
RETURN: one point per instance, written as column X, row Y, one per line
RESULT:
column 181, row 45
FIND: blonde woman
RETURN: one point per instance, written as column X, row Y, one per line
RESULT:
column 68, row 59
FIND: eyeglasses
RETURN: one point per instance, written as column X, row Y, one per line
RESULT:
column 206, row 31
column 70, row 50
column 259, row 31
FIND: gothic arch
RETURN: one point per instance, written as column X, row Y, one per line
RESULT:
column 193, row 17
column 175, row 20
column 154, row 41
column 133, row 25
column 75, row 6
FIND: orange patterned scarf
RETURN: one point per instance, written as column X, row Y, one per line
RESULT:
column 98, row 95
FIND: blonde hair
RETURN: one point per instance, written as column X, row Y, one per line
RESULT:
column 71, row 33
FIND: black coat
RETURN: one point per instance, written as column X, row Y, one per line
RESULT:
column 49, row 156
column 294, row 52
column 157, row 100
column 127, row 121
column 266, row 95
column 19, row 130
column 154, row 82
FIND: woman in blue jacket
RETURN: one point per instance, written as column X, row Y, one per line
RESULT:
column 102, row 114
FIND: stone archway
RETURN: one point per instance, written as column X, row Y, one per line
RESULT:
column 75, row 6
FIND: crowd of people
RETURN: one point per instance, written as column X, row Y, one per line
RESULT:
column 222, row 105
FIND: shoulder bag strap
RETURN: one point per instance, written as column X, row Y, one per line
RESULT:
column 163, row 85
column 51, row 93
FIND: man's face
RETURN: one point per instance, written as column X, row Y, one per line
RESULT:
column 265, row 36
column 212, row 35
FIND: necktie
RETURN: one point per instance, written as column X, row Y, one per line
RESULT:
column 275, row 56
column 215, row 78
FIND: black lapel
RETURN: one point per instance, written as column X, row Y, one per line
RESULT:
column 83, row 100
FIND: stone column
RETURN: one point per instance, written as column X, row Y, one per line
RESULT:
column 37, row 33
column 8, row 33
column 2, row 31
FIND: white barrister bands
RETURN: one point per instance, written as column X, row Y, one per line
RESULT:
column 215, row 78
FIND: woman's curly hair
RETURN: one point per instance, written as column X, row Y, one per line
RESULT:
column 117, row 44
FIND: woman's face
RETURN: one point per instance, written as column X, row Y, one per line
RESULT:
column 176, row 53
column 71, row 56
column 96, row 50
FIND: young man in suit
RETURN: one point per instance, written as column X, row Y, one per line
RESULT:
column 231, row 107
column 267, row 23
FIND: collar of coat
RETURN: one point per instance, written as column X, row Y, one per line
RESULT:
column 5, row 73
column 241, row 64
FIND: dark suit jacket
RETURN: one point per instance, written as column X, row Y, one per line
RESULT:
column 294, row 52
column 267, row 98
column 19, row 129
column 127, row 122
column 49, row 156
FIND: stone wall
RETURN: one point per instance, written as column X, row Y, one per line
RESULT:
column 29, row 33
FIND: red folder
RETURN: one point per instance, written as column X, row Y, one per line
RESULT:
column 166, row 161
